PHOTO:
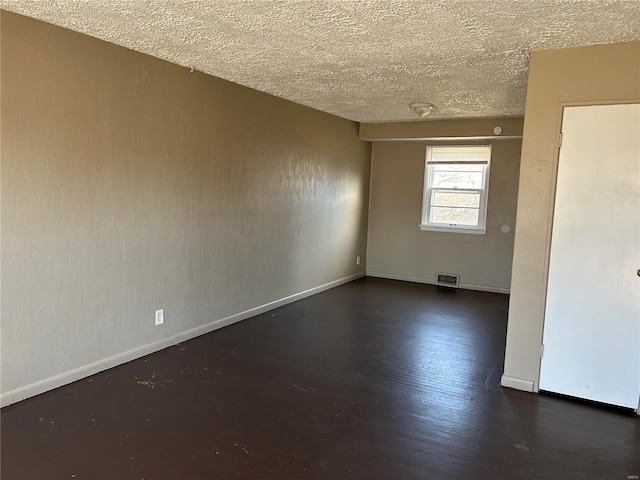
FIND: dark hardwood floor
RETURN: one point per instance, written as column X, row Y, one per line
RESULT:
column 376, row 379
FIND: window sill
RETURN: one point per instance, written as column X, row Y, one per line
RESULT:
column 433, row 228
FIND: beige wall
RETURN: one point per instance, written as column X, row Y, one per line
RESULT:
column 130, row 184
column 397, row 248
column 589, row 75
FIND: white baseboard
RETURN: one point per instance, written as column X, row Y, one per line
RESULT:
column 41, row 386
column 64, row 378
column 517, row 383
column 431, row 281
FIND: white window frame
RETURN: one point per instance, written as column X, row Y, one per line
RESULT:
column 429, row 190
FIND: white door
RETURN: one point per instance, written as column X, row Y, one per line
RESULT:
column 592, row 320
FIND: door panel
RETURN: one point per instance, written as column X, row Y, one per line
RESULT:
column 592, row 318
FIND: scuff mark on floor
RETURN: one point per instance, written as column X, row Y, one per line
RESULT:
column 300, row 388
column 524, row 446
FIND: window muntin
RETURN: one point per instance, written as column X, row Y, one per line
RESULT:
column 456, row 188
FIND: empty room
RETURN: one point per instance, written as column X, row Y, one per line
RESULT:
column 300, row 239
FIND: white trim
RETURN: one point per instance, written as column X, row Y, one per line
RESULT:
column 432, row 281
column 451, row 229
column 517, row 383
column 64, row 378
column 429, row 190
column 485, row 288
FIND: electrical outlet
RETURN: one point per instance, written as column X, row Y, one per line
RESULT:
column 159, row 317
column 358, row 260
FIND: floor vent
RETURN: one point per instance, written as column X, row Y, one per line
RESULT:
column 447, row 280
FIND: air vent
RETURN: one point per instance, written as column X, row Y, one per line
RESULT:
column 448, row 280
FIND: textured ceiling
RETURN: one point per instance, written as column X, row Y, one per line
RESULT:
column 358, row 59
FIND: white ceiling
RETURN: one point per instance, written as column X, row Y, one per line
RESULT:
column 363, row 60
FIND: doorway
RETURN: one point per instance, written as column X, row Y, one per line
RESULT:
column 591, row 341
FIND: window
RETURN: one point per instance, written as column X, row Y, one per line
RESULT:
column 456, row 187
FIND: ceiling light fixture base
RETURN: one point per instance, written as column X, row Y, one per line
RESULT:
column 421, row 109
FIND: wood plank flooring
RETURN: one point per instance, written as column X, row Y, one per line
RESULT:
column 375, row 379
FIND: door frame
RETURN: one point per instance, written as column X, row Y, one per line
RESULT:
column 551, row 210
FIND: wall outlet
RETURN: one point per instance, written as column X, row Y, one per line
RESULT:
column 159, row 317
column 358, row 260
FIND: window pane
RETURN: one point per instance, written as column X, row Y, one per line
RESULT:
column 455, row 199
column 459, row 216
column 457, row 176
column 458, row 167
